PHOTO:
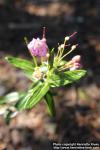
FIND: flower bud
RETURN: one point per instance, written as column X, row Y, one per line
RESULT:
column 76, row 62
column 61, row 46
column 76, row 58
column 75, row 66
column 67, row 38
column 73, row 47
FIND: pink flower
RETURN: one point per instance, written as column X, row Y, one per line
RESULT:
column 76, row 61
column 38, row 47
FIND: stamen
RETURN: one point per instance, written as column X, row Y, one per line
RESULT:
column 72, row 48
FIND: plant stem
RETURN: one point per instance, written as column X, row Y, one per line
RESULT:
column 35, row 61
column 50, row 103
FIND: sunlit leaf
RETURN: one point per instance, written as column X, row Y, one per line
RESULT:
column 63, row 78
column 33, row 96
column 21, row 63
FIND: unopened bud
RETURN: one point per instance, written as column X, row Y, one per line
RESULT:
column 62, row 46
column 74, row 47
column 76, row 61
column 75, row 66
column 76, row 58
column 67, row 38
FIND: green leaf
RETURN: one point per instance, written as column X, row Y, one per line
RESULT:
column 62, row 78
column 33, row 96
column 21, row 63
column 31, row 90
column 50, row 103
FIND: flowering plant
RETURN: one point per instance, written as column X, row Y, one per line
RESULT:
column 52, row 71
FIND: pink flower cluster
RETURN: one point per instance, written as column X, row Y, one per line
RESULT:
column 76, row 62
column 38, row 47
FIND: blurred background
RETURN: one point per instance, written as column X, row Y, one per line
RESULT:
column 78, row 105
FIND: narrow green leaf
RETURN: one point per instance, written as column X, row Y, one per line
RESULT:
column 75, row 75
column 23, row 102
column 40, row 94
column 33, row 96
column 50, row 103
column 63, row 78
column 21, row 63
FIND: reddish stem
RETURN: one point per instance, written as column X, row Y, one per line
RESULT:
column 44, row 32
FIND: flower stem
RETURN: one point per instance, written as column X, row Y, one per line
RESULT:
column 35, row 61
